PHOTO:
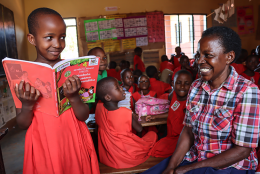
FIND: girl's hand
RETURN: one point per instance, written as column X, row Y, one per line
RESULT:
column 27, row 94
column 71, row 87
column 149, row 118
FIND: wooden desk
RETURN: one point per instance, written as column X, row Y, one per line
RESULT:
column 154, row 122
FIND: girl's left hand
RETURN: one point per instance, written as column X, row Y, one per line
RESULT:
column 71, row 87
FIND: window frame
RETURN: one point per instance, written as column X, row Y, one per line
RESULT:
column 77, row 32
column 193, row 33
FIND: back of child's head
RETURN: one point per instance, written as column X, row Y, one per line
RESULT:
column 138, row 51
column 127, row 64
column 164, row 58
column 123, row 64
column 112, row 65
column 33, row 18
column 93, row 51
column 103, row 87
column 137, row 73
column 151, row 71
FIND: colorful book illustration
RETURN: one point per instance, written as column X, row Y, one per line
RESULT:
column 48, row 80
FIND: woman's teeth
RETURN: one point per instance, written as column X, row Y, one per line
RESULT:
column 204, row 70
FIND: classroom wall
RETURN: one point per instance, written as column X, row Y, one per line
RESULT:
column 87, row 8
column 19, row 18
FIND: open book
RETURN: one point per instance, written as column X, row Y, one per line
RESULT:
column 48, row 80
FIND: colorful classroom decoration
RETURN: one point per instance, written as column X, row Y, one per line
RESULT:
column 141, row 41
column 245, row 20
column 155, row 25
column 116, row 33
column 116, row 16
column 99, row 29
column 112, row 46
column 93, row 45
column 128, row 43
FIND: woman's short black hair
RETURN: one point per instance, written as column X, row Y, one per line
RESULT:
column 229, row 39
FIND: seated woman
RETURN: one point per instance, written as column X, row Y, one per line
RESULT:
column 221, row 125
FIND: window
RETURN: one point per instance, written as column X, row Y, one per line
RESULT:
column 180, row 26
column 71, row 49
column 184, row 31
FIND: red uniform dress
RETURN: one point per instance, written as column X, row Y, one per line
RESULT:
column 159, row 87
column 166, row 65
column 176, row 61
column 137, row 95
column 240, row 68
column 113, row 73
column 166, row 146
column 253, row 79
column 140, row 66
column 59, row 145
column 118, row 147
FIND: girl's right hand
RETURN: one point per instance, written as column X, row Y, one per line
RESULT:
column 27, row 94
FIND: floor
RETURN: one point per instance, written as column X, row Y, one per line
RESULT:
column 13, row 151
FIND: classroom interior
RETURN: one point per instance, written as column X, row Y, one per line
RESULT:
column 13, row 143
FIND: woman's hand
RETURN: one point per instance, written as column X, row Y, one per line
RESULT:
column 27, row 94
column 181, row 170
column 168, row 171
column 71, row 87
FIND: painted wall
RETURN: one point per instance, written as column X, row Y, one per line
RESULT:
column 87, row 8
column 18, row 9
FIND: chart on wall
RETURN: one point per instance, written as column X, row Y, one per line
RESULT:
column 122, row 32
column 119, row 28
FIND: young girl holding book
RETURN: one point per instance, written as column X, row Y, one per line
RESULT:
column 61, row 144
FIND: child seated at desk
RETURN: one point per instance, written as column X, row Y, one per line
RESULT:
column 118, row 146
column 158, row 86
column 251, row 64
column 143, row 85
column 166, row 146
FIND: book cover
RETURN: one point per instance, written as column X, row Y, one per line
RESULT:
column 48, row 80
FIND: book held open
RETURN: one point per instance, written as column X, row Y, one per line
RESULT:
column 49, row 80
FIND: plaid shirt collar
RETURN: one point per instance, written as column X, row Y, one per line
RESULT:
column 228, row 83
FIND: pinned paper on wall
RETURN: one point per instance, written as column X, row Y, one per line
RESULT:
column 155, row 26
column 128, row 43
column 141, row 41
column 245, row 20
column 112, row 46
column 99, row 29
column 93, row 45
